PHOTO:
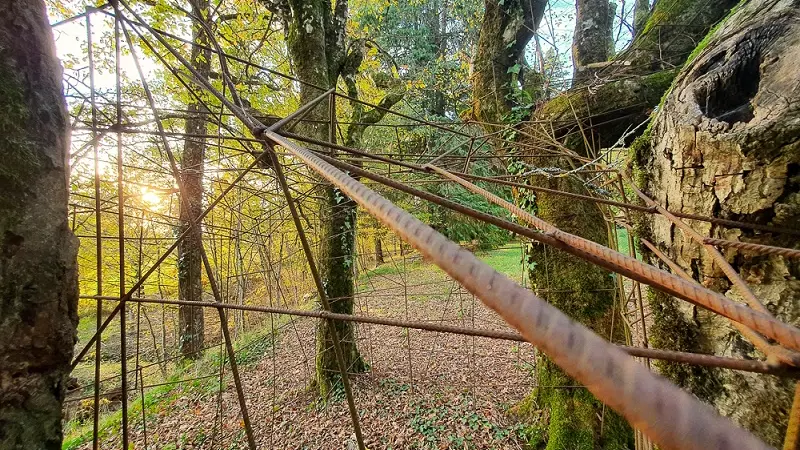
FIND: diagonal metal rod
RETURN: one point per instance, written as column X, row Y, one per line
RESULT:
column 258, row 128
column 692, row 292
column 164, row 256
column 614, row 377
column 198, row 232
column 323, row 295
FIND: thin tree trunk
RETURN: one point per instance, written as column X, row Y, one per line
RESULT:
column 190, row 263
column 593, row 34
column 38, row 278
column 378, row 251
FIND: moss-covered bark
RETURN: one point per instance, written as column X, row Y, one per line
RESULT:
column 316, row 46
column 599, row 117
column 190, row 262
column 38, row 279
column 506, row 29
column 725, row 144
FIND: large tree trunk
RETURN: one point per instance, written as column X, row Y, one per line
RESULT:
column 506, row 29
column 316, row 47
column 567, row 418
column 190, row 261
column 726, row 144
column 573, row 418
column 38, row 278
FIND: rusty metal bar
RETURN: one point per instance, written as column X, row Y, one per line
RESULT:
column 123, row 331
column 98, row 233
column 198, row 231
column 610, row 374
column 773, row 352
column 745, row 365
column 756, row 248
column 645, row 209
column 635, row 269
column 792, row 439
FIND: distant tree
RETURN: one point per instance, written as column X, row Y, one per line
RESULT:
column 190, row 262
column 38, row 278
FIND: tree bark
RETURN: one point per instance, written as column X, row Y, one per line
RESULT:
column 725, row 144
column 593, row 36
column 378, row 251
column 585, row 121
column 190, row 262
column 38, row 278
column 506, row 29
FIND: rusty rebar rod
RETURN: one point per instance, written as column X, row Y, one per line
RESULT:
column 610, row 374
column 646, row 209
column 792, row 439
column 699, row 359
column 692, row 292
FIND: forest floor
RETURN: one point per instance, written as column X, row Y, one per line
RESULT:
column 422, row 390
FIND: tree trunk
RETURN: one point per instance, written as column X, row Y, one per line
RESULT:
column 568, row 417
column 506, row 29
column 725, row 144
column 378, row 251
column 593, row 36
column 38, row 278
column 190, row 262
column 316, row 47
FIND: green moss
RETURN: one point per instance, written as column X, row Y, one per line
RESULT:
column 20, row 158
column 561, row 416
column 671, row 330
column 709, row 36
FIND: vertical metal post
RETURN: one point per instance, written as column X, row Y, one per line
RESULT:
column 121, row 233
column 337, row 347
column 792, row 440
column 98, row 235
column 194, row 227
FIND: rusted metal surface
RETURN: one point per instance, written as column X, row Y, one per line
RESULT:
column 792, row 439
column 745, row 365
column 755, row 248
column 613, row 376
column 692, row 292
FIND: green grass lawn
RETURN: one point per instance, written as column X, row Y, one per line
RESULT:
column 506, row 260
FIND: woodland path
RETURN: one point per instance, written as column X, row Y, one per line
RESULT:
column 423, row 389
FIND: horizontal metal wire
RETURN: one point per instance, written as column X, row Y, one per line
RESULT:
column 666, row 355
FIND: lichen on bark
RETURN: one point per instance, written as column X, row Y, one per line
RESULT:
column 725, row 144
column 38, row 279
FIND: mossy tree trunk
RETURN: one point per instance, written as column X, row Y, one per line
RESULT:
column 190, row 262
column 568, row 418
column 316, row 40
column 593, row 40
column 506, row 29
column 38, row 278
column 727, row 144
